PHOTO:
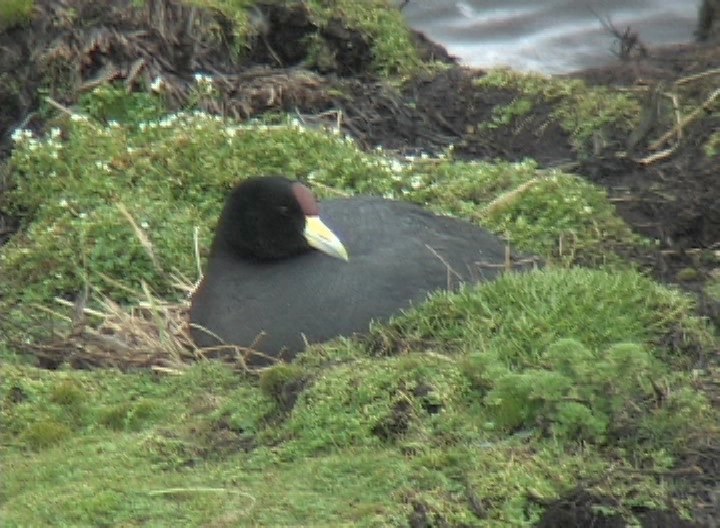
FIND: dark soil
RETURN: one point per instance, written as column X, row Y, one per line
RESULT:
column 674, row 199
column 581, row 508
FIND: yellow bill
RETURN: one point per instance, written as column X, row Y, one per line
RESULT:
column 321, row 238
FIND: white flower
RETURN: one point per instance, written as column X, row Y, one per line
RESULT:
column 63, row 203
column 54, row 132
column 204, row 82
column 144, row 224
column 158, row 85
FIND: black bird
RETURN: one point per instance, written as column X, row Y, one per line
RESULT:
column 272, row 283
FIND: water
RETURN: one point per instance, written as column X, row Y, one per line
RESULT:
column 551, row 36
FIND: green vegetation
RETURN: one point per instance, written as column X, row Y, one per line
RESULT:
column 584, row 112
column 712, row 145
column 380, row 21
column 15, row 13
column 115, row 206
column 713, row 289
column 555, row 365
column 507, row 395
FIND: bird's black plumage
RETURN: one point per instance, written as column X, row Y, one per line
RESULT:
column 262, row 277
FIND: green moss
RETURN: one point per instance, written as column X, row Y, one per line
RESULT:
column 583, row 111
column 712, row 288
column 521, row 315
column 687, row 275
column 505, row 115
column 577, row 394
column 504, row 391
column 67, row 393
column 44, row 434
column 383, row 433
column 282, row 383
column 106, row 104
column 15, row 13
column 130, row 416
column 393, row 49
column 115, row 208
column 369, row 402
column 712, row 145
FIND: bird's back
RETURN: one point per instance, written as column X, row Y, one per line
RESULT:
column 398, row 254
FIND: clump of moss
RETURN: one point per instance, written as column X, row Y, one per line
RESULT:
column 687, row 275
column 283, row 383
column 106, row 104
column 67, row 393
column 559, row 216
column 44, row 434
column 129, row 416
column 367, row 402
column 15, row 13
column 712, row 145
column 577, row 394
column 393, row 49
column 72, row 402
column 582, row 111
column 521, row 315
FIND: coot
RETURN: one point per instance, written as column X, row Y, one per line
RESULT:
column 278, row 277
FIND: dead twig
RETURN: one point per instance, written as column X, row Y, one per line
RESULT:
column 704, row 108
column 140, row 234
column 697, row 76
column 625, row 41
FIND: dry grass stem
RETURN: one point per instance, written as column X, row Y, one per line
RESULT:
column 508, row 198
column 140, row 234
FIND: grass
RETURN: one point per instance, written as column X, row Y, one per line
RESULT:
column 15, row 13
column 379, row 21
column 585, row 113
column 113, row 206
column 506, row 395
column 382, row 432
